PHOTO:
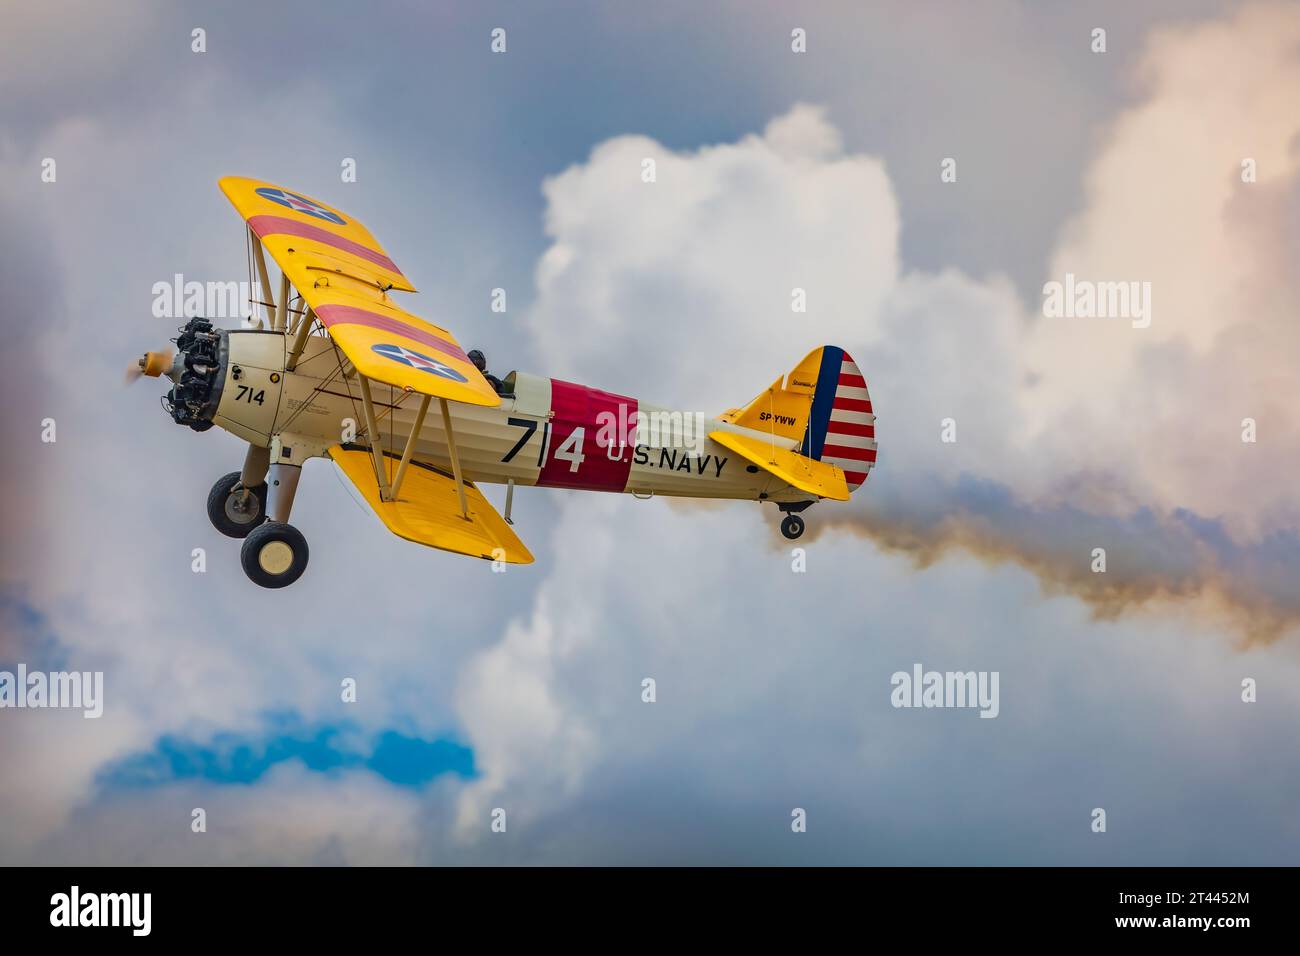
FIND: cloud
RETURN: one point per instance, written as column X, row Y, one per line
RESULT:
column 679, row 290
column 692, row 274
column 1165, row 203
column 291, row 817
column 1128, row 439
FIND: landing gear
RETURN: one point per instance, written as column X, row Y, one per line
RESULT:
column 234, row 510
column 274, row 555
column 792, row 526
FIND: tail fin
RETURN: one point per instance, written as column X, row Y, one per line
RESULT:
column 782, row 408
column 841, row 425
column 824, row 405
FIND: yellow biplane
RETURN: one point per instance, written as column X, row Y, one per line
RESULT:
column 337, row 369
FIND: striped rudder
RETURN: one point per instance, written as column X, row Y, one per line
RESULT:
column 842, row 426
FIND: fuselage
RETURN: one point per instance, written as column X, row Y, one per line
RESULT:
column 546, row 432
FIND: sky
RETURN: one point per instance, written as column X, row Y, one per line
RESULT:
column 519, row 696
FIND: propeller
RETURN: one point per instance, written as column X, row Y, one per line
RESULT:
column 152, row 364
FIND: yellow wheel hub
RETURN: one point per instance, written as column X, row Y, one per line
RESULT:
column 276, row 557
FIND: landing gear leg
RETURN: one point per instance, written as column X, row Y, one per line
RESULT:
column 255, row 464
column 283, row 486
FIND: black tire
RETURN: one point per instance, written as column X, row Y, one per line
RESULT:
column 223, row 507
column 274, row 555
column 792, row 526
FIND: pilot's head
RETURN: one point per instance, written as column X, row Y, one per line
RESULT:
column 477, row 358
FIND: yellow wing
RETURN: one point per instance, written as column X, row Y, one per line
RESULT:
column 428, row 509
column 345, row 276
column 819, row 478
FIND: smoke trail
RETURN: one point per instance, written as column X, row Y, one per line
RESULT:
column 1155, row 561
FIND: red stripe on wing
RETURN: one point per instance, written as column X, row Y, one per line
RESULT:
column 265, row 226
column 333, row 315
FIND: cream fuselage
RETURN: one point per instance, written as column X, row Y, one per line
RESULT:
column 547, row 433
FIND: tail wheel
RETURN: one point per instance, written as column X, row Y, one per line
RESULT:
column 236, row 511
column 792, row 526
column 274, row 555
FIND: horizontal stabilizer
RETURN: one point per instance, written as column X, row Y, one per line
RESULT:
column 815, row 477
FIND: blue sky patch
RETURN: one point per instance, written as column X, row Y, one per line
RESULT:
column 238, row 758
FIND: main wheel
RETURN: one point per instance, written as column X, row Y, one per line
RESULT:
column 792, row 526
column 274, row 555
column 236, row 513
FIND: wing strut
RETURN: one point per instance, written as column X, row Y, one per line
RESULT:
column 389, row 492
column 455, row 458
column 305, row 322
column 263, row 278
column 410, row 444
column 281, row 323
column 372, row 426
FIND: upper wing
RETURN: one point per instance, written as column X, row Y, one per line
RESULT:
column 428, row 510
column 282, row 218
column 345, row 276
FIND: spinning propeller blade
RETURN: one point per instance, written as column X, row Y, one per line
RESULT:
column 152, row 364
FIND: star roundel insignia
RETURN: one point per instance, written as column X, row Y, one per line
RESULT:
column 405, row 356
column 300, row 204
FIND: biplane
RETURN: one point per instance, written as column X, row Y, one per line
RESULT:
column 336, row 368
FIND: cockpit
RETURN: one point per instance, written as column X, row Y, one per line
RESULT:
column 479, row 361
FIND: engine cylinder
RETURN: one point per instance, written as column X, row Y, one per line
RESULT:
column 193, row 400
